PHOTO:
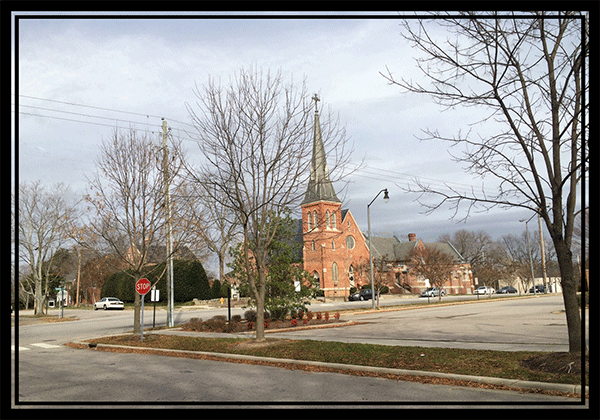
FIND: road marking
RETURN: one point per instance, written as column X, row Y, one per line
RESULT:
column 42, row 345
column 45, row 346
column 12, row 347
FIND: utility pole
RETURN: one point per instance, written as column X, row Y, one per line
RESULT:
column 543, row 250
column 170, row 289
column 530, row 259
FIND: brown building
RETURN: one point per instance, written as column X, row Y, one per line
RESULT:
column 336, row 252
column 394, row 261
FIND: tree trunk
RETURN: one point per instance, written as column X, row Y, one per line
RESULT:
column 38, row 301
column 569, row 292
column 260, row 306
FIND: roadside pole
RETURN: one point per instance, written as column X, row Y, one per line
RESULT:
column 142, row 286
column 142, row 322
column 229, row 303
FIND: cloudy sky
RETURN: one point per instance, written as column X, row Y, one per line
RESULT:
column 80, row 77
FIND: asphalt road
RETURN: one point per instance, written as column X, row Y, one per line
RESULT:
column 92, row 377
column 49, row 372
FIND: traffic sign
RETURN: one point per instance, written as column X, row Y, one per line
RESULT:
column 142, row 286
column 154, row 295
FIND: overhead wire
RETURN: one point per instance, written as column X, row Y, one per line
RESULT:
column 363, row 171
column 119, row 122
column 401, row 177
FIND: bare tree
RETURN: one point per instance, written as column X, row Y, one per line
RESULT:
column 214, row 224
column 127, row 194
column 529, row 74
column 45, row 217
column 469, row 244
column 432, row 264
column 255, row 135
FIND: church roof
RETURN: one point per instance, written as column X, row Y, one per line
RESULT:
column 320, row 187
column 392, row 249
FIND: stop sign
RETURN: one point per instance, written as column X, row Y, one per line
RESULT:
column 142, row 286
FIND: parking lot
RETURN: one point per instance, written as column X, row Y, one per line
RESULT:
column 536, row 323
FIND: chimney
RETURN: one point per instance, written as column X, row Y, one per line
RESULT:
column 412, row 237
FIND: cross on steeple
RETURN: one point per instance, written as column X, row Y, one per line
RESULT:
column 316, row 99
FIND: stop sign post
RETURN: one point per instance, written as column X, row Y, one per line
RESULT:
column 142, row 286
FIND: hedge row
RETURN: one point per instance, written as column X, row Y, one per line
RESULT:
column 189, row 279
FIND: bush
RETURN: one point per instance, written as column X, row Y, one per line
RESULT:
column 215, row 325
column 195, row 324
column 250, row 315
column 278, row 314
column 236, row 318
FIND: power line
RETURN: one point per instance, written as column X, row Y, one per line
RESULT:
column 88, row 106
column 390, row 175
column 147, row 115
column 78, row 113
column 366, row 172
column 81, row 121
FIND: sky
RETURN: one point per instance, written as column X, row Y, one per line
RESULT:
column 79, row 78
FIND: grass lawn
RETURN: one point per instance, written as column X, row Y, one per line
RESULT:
column 523, row 365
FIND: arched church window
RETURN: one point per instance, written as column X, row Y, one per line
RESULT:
column 333, row 221
column 313, row 245
column 315, row 220
column 333, row 245
column 327, row 219
column 334, row 272
column 351, row 275
column 308, row 222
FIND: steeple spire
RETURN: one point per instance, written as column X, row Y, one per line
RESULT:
column 320, row 187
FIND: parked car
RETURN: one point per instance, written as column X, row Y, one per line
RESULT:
column 362, row 295
column 484, row 290
column 432, row 291
column 108, row 303
column 539, row 288
column 507, row 289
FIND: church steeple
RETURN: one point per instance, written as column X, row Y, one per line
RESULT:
column 320, row 187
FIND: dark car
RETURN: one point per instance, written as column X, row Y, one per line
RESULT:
column 362, row 295
column 507, row 289
column 539, row 288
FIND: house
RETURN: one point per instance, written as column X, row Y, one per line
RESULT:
column 394, row 259
column 336, row 252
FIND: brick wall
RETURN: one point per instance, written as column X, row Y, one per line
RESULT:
column 334, row 244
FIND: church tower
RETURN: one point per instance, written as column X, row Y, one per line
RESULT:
column 328, row 253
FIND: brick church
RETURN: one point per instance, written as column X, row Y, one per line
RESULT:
column 336, row 251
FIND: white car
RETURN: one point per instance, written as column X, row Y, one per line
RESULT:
column 108, row 303
column 484, row 290
column 432, row 292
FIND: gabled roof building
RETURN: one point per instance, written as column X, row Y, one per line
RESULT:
column 336, row 252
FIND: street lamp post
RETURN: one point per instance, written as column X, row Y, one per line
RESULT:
column 529, row 251
column 386, row 198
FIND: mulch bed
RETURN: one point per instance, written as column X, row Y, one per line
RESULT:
column 559, row 362
column 220, row 324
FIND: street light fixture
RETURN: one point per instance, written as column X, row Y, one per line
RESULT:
column 386, row 198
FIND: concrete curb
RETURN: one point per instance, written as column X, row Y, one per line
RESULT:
column 511, row 383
